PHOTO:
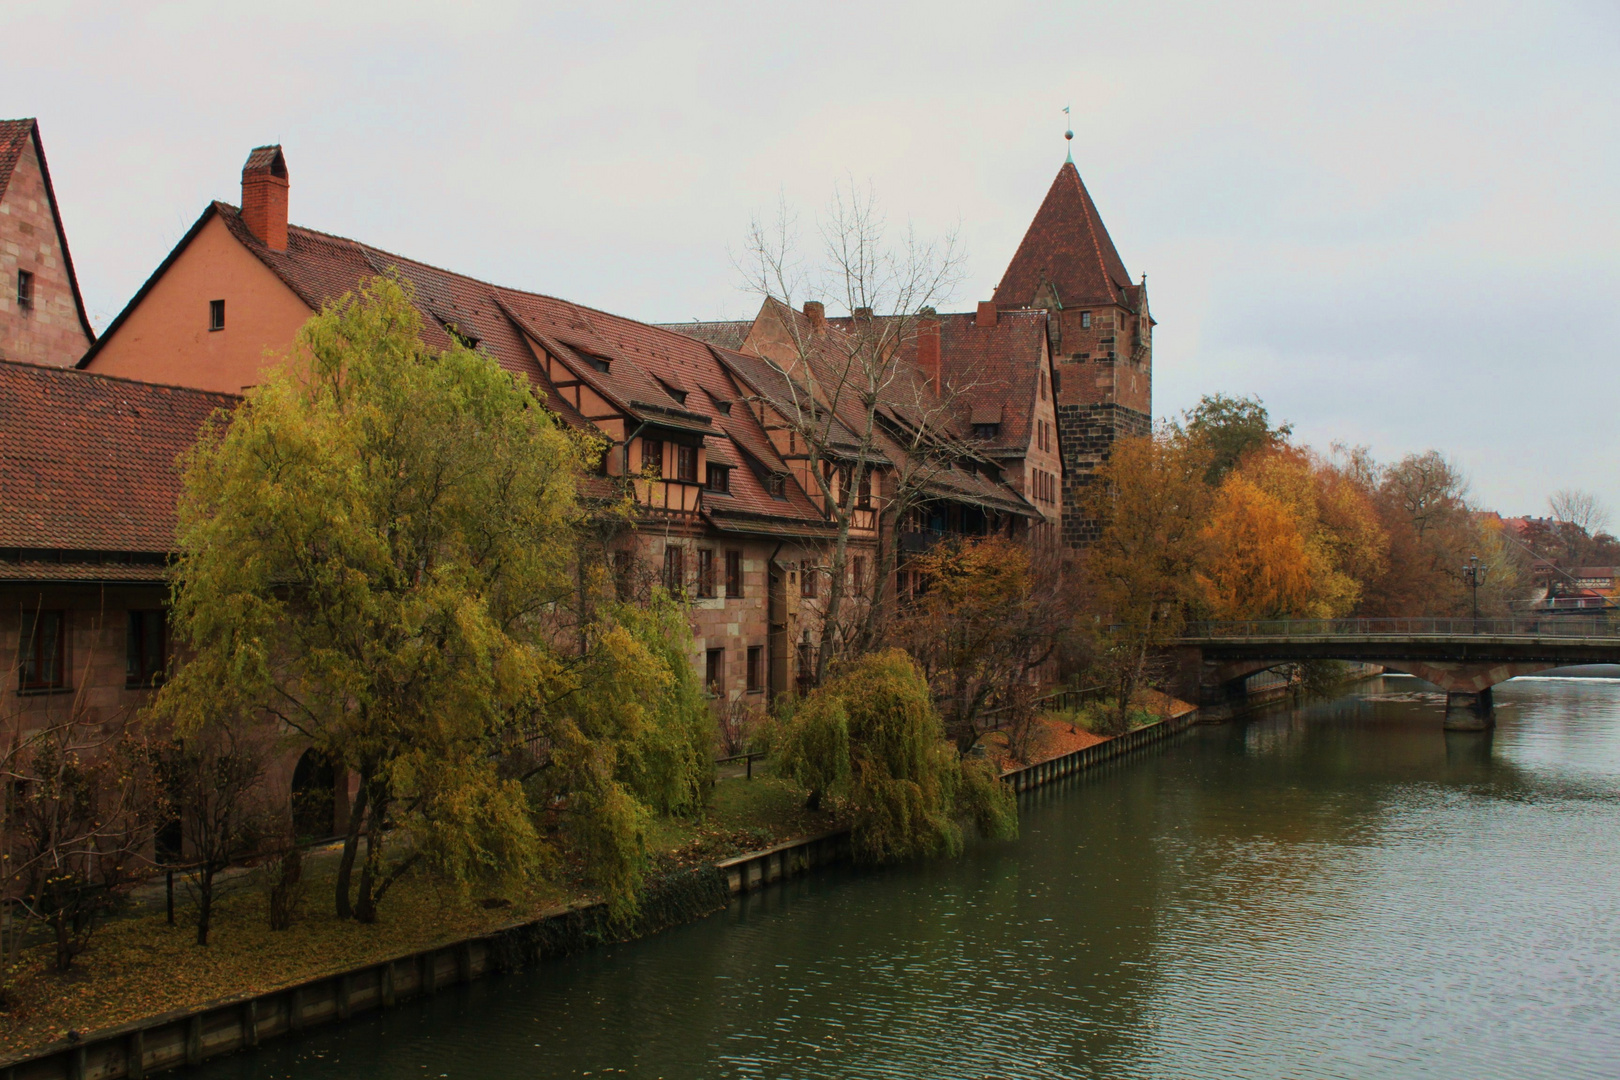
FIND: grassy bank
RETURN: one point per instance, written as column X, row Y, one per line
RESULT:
column 138, row 965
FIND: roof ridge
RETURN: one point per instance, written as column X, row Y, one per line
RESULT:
column 1087, row 209
column 80, row 373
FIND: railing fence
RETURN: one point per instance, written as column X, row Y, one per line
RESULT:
column 1538, row 626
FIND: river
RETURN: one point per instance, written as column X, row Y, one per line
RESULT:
column 1342, row 890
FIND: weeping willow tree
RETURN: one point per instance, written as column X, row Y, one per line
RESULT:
column 380, row 552
column 870, row 737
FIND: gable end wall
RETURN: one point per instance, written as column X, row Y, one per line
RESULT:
column 50, row 332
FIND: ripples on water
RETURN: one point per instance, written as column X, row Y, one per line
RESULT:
column 1341, row 891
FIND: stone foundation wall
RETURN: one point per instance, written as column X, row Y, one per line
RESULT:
column 1086, row 434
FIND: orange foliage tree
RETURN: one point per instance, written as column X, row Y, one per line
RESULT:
column 1141, row 573
column 1256, row 565
column 1312, row 542
column 991, row 613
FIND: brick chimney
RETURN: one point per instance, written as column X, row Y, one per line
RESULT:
column 928, row 359
column 264, row 196
column 986, row 315
column 816, row 312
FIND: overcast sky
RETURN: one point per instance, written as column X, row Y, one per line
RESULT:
column 1395, row 223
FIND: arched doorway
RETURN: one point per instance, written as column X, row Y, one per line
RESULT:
column 313, row 784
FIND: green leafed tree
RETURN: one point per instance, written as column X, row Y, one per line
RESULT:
column 381, row 551
column 871, row 738
column 1225, row 429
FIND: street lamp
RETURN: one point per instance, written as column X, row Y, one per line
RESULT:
column 1474, row 574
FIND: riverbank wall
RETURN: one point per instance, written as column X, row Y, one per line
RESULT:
column 188, row 1036
column 1268, row 688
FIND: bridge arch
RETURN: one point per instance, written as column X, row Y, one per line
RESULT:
column 1463, row 657
column 1459, row 678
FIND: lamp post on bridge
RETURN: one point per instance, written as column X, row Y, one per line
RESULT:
column 1474, row 574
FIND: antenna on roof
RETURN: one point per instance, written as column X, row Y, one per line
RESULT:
column 1068, row 134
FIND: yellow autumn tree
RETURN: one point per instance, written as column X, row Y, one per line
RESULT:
column 1258, row 564
column 1334, row 526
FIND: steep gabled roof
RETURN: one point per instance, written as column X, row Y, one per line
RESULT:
column 88, row 462
column 906, row 403
column 989, row 371
column 14, row 138
column 1067, row 245
column 649, row 369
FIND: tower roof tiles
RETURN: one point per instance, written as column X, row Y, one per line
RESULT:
column 1067, row 245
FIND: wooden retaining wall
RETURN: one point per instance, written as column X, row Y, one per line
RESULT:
column 758, row 869
column 1045, row 772
column 188, row 1036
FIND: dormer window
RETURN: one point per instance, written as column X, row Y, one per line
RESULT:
column 986, row 431
column 777, row 486
column 600, row 363
column 686, row 463
column 718, row 479
column 461, row 337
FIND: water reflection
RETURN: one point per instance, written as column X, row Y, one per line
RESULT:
column 1344, row 890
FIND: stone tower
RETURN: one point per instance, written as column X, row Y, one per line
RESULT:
column 1100, row 332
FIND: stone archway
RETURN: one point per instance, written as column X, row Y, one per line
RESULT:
column 314, row 791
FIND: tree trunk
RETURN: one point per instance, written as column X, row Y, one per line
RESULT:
column 351, row 843
column 365, row 905
column 205, row 903
column 835, row 598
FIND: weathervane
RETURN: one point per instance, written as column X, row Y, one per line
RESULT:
column 1068, row 133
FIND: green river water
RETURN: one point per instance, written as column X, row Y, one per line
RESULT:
column 1341, row 890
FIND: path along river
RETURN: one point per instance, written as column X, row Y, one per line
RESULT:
column 1343, row 890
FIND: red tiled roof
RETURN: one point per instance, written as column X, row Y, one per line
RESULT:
column 650, row 369
column 728, row 334
column 908, row 399
column 85, row 572
column 14, row 135
column 990, row 371
column 1068, row 245
column 87, row 462
column 647, row 365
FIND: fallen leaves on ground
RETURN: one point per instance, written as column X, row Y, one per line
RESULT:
column 140, row 966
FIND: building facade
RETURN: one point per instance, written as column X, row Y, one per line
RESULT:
column 42, row 318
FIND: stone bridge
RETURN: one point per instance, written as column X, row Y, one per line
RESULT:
column 1464, row 657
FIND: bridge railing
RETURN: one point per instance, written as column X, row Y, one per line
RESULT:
column 1538, row 626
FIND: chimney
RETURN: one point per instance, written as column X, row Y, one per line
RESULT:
column 928, row 359
column 816, row 312
column 264, row 196
column 986, row 315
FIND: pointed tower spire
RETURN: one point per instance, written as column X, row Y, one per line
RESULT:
column 1068, row 244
